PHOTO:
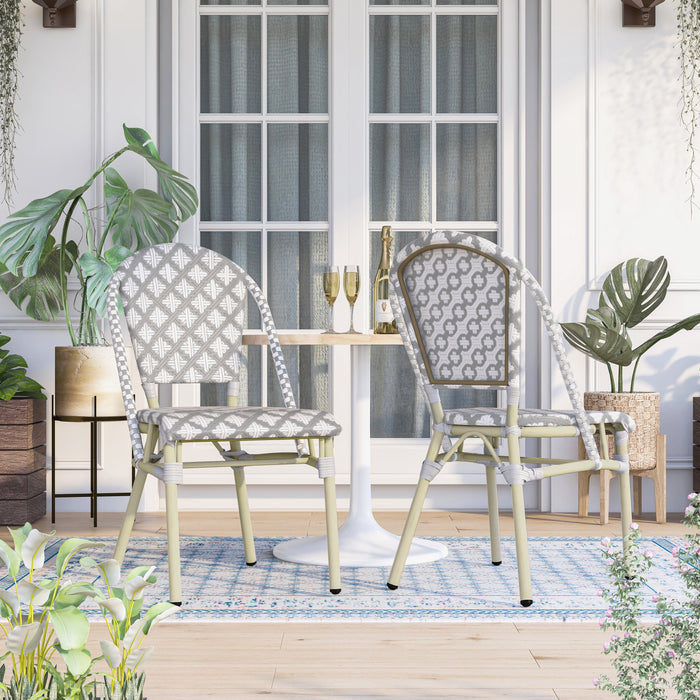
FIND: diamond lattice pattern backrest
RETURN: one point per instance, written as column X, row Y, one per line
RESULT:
column 184, row 308
column 457, row 301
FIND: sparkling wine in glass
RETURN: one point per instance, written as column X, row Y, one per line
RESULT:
column 351, row 283
column 331, row 287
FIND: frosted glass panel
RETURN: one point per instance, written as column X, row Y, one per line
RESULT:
column 297, row 64
column 297, row 2
column 467, row 2
column 467, row 64
column 400, row 172
column 467, row 171
column 398, row 408
column 230, row 64
column 399, row 64
column 230, row 172
column 295, row 261
column 399, row 2
column 297, row 178
column 230, row 2
column 243, row 247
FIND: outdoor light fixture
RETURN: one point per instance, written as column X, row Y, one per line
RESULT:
column 58, row 13
column 637, row 13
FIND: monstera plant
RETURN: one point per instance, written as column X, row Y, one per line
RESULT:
column 631, row 292
column 52, row 237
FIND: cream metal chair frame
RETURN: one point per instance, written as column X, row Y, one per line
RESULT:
column 456, row 299
column 184, row 308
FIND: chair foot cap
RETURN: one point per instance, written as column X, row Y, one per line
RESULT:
column 179, row 604
column 496, row 563
column 335, row 591
column 391, row 586
column 526, row 603
column 251, row 563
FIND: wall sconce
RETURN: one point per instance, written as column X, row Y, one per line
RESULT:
column 58, row 13
column 637, row 13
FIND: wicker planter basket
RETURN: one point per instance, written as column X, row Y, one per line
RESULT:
column 645, row 409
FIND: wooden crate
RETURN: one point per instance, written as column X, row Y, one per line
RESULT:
column 22, row 460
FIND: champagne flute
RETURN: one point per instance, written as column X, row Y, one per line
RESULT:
column 351, row 283
column 331, row 287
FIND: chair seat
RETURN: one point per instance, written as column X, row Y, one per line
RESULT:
column 533, row 417
column 245, row 423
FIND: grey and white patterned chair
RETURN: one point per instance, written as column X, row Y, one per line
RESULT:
column 184, row 308
column 456, row 298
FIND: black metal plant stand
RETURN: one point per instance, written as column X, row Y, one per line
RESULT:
column 94, row 420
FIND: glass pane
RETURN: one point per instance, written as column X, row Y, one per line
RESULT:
column 399, row 2
column 467, row 64
column 297, row 64
column 399, row 64
column 230, row 70
column 229, row 2
column 297, row 2
column 244, row 248
column 295, row 261
column 400, row 172
column 297, row 177
column 398, row 408
column 230, row 172
column 467, row 2
column 467, row 171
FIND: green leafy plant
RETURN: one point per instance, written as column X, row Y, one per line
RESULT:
column 10, row 36
column 35, row 264
column 631, row 292
column 33, row 610
column 650, row 659
column 688, row 26
column 14, row 381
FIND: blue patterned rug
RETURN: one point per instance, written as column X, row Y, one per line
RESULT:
column 217, row 586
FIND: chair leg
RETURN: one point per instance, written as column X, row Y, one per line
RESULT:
column 521, row 550
column 660, row 479
column 409, row 530
column 584, row 487
column 130, row 516
column 173, row 531
column 605, row 476
column 325, row 449
column 244, row 516
column 625, row 508
column 494, row 533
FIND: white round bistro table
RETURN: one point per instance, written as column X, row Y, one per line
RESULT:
column 362, row 541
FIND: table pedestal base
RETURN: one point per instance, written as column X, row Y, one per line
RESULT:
column 362, row 543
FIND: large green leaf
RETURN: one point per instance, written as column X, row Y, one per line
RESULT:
column 23, row 236
column 98, row 275
column 139, row 219
column 634, row 288
column 70, row 547
column 71, row 626
column 685, row 325
column 39, row 296
column 605, row 317
column 78, row 661
column 602, row 344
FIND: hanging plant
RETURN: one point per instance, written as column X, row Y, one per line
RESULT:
column 689, row 44
column 10, row 33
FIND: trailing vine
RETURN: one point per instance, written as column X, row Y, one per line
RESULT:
column 689, row 44
column 10, row 34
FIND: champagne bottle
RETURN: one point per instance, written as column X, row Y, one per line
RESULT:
column 384, row 321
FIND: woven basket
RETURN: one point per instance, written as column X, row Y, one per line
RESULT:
column 645, row 409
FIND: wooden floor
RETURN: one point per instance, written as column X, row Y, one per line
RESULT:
column 355, row 660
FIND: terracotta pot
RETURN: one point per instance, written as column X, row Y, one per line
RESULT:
column 645, row 408
column 83, row 372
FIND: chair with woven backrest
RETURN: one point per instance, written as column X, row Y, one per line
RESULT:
column 456, row 298
column 185, row 309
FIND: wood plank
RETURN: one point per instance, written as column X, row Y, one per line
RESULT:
column 22, row 411
column 22, row 437
column 22, row 461
column 316, row 337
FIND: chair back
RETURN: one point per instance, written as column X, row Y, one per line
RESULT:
column 184, row 309
column 459, row 309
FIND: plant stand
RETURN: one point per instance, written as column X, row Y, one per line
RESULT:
column 22, row 460
column 94, row 420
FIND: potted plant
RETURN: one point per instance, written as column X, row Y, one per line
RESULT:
column 39, row 249
column 631, row 292
column 22, row 441
column 42, row 622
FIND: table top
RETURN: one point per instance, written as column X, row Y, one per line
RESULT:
column 314, row 336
